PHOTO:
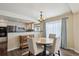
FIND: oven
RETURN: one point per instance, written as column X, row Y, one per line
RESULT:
column 3, row 31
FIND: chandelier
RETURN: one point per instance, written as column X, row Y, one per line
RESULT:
column 41, row 16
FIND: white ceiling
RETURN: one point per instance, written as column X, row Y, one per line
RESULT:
column 74, row 7
column 32, row 10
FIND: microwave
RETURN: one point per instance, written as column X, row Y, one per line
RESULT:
column 3, row 31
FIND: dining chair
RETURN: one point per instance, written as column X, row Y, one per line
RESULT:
column 52, row 35
column 33, row 49
column 55, row 47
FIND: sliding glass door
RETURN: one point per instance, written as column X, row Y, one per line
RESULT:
column 53, row 27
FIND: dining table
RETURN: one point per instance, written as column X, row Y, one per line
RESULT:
column 44, row 41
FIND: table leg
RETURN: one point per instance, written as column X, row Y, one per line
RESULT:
column 44, row 52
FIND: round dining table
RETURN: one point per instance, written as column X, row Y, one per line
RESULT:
column 45, row 42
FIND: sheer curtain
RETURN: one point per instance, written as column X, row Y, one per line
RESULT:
column 64, row 33
column 53, row 27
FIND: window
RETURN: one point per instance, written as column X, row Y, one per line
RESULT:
column 53, row 27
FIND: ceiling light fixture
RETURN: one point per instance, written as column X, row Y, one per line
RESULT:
column 41, row 16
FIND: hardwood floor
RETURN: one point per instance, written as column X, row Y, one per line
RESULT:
column 3, row 48
column 66, row 52
column 19, row 52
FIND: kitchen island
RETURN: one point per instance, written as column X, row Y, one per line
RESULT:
column 14, row 40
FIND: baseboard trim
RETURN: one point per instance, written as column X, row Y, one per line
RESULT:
column 74, row 50
column 12, row 49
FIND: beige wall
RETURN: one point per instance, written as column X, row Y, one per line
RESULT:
column 76, row 31
column 70, row 40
